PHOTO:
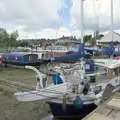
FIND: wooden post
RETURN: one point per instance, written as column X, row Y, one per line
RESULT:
column 110, row 74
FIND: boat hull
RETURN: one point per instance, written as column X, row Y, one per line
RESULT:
column 21, row 63
column 71, row 111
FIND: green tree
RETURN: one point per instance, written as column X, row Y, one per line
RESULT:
column 3, row 37
column 8, row 40
column 87, row 38
column 23, row 43
column 13, row 38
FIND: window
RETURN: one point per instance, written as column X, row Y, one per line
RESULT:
column 115, row 72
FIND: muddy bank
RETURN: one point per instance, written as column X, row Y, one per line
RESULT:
column 10, row 108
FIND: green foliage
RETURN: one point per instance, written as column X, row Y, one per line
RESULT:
column 92, row 40
column 13, row 38
column 8, row 40
column 87, row 38
column 23, row 43
column 3, row 36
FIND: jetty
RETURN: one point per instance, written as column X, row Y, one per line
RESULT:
column 108, row 110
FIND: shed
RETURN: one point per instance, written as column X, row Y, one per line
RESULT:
column 108, row 38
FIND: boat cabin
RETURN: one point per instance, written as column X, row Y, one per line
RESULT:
column 107, row 70
column 21, row 57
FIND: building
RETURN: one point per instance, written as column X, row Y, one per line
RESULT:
column 108, row 38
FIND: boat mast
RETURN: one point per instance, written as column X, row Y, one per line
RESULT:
column 81, row 25
column 112, row 24
column 81, row 19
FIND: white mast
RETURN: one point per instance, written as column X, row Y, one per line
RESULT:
column 81, row 24
column 112, row 24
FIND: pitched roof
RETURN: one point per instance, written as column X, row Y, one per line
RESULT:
column 108, row 37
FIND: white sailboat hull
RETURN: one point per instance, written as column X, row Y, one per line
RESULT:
column 34, row 95
column 51, row 92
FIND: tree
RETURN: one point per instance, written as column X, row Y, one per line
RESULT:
column 3, row 37
column 13, row 38
column 23, row 43
column 87, row 38
column 8, row 40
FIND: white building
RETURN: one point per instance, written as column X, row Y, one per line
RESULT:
column 108, row 38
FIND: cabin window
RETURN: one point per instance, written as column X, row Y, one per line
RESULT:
column 119, row 70
column 42, row 56
column 30, row 58
column 115, row 72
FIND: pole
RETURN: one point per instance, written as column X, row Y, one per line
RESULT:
column 81, row 24
column 112, row 24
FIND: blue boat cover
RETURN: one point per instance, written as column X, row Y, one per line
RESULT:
column 107, row 51
column 57, row 79
column 71, row 57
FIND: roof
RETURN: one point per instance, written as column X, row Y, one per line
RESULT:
column 108, row 37
column 108, row 63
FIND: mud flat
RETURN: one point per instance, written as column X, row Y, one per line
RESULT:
column 10, row 108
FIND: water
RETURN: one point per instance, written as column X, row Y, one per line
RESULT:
column 50, row 117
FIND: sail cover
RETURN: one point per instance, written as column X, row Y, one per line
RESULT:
column 71, row 57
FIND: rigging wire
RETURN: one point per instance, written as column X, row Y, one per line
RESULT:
column 60, row 20
column 97, row 13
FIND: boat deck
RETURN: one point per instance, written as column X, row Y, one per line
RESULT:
column 110, row 110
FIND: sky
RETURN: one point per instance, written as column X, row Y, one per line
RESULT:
column 52, row 19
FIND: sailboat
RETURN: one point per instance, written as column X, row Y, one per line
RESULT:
column 76, row 91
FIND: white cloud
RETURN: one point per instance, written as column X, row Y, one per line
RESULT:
column 39, row 18
column 96, row 11
column 47, row 33
column 30, row 15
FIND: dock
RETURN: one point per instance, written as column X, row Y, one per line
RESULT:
column 109, row 110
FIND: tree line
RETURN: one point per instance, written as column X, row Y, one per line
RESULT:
column 9, row 40
column 92, row 40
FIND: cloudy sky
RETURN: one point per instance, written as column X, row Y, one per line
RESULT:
column 55, row 18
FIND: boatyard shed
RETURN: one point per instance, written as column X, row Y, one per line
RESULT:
column 108, row 38
column 21, row 57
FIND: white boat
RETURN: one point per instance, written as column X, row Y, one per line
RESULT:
column 76, row 91
column 75, row 84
